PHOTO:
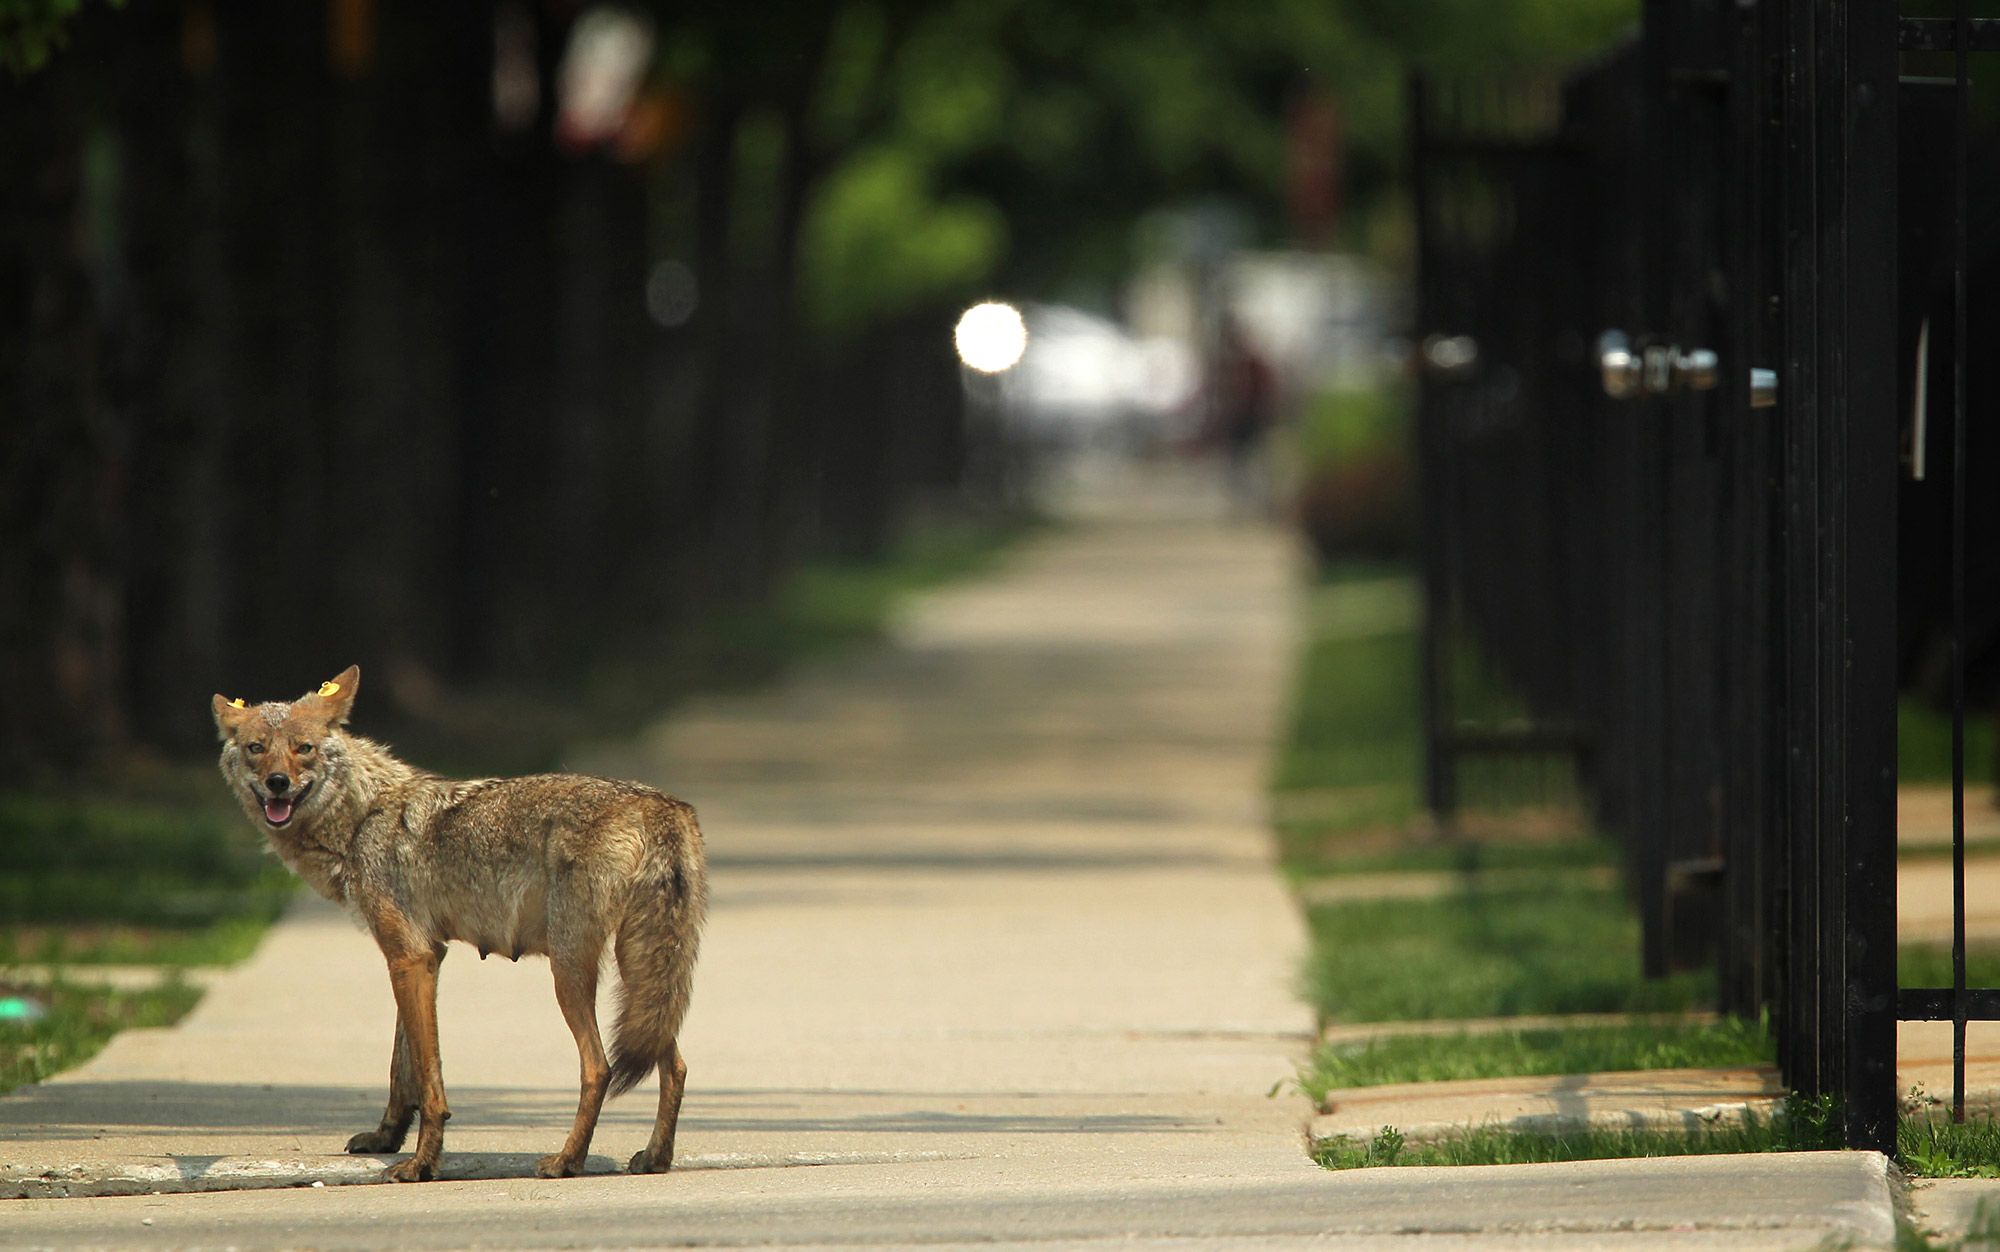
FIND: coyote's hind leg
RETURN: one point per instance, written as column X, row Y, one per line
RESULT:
column 576, row 995
column 658, row 1157
column 402, row 1107
column 413, row 976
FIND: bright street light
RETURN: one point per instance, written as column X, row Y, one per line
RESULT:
column 991, row 337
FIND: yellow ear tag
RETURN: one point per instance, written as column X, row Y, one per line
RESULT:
column 237, row 703
column 329, row 689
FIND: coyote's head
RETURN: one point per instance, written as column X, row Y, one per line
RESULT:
column 282, row 759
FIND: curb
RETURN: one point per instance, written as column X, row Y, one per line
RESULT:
column 1328, row 1128
column 239, row 1173
column 189, row 1175
column 1690, row 1100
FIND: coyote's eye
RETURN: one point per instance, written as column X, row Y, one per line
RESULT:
column 305, row 749
column 255, row 749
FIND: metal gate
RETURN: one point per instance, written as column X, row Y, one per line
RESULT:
column 1665, row 411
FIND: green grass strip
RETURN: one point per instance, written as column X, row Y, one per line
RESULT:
column 1928, row 1145
column 221, row 942
column 80, row 1019
column 1929, row 965
column 1647, row 1044
column 1802, row 1126
column 112, row 878
column 1923, row 744
column 1466, row 856
column 1487, row 954
column 1354, row 720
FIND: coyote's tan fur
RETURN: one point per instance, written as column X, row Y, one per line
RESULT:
column 557, row 865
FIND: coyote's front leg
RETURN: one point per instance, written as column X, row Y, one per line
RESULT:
column 402, row 1107
column 413, row 975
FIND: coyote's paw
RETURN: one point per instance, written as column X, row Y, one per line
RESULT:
column 375, row 1142
column 414, row 1169
column 643, row 1163
column 556, row 1165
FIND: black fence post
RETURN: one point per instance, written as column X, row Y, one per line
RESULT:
column 1434, row 465
column 1838, row 390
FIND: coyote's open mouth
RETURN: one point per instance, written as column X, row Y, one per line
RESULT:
column 278, row 809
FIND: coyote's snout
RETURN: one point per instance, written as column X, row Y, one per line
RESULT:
column 557, row 865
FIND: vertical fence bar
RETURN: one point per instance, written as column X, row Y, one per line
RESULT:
column 1433, row 458
column 1838, row 394
column 1961, row 126
column 1649, row 583
column 1859, row 216
column 1809, row 1065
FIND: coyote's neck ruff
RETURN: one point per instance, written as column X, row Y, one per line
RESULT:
column 332, row 792
column 338, row 786
column 551, row 864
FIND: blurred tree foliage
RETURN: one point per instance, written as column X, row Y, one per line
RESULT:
column 32, row 30
column 326, row 335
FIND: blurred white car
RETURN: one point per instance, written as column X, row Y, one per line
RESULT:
column 1086, row 381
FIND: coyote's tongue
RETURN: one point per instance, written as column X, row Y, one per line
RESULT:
column 277, row 811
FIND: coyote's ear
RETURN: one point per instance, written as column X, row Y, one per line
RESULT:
column 229, row 714
column 336, row 696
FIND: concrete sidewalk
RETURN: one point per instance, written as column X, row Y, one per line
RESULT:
column 996, row 943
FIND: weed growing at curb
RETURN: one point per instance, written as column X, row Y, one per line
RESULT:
column 1803, row 1125
column 1930, row 1145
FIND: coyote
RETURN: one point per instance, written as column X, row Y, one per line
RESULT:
column 551, row 864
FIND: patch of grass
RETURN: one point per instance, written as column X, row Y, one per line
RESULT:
column 1929, row 965
column 1803, row 1126
column 1352, row 759
column 146, row 881
column 1487, row 953
column 221, row 942
column 79, row 1020
column 1923, row 744
column 143, row 898
column 1931, row 1145
column 1928, row 1145
column 1655, row 1044
column 1466, row 856
column 1354, row 718
column 1344, row 423
column 1350, row 767
column 1975, row 847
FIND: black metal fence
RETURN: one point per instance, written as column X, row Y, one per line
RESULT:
column 1686, row 452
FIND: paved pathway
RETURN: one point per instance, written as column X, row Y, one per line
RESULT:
column 996, row 944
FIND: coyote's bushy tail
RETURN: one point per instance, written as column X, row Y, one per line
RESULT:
column 656, row 944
